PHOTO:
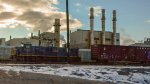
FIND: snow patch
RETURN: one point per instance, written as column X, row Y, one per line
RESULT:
column 115, row 74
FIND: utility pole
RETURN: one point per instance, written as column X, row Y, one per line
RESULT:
column 67, row 23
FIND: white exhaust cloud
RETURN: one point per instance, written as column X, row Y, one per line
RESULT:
column 125, row 38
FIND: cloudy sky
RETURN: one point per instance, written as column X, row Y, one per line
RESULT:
column 21, row 17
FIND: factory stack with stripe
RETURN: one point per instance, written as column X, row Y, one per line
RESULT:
column 114, row 27
column 57, row 32
column 91, row 26
column 103, row 26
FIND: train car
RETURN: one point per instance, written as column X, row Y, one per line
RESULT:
column 116, row 53
column 39, row 54
column 6, row 53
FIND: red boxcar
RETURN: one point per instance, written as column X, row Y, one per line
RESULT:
column 105, row 53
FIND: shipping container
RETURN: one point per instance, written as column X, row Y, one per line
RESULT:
column 85, row 55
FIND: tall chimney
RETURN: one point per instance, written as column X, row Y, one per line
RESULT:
column 91, row 26
column 10, row 37
column 39, row 33
column 57, row 32
column 31, row 35
column 103, row 26
column 114, row 27
column 39, row 38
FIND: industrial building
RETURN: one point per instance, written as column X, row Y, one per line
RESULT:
column 79, row 39
column 17, row 42
column 146, row 43
column 43, row 39
column 85, row 38
column 2, row 41
column 48, row 38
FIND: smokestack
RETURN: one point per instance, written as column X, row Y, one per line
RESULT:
column 103, row 26
column 114, row 27
column 39, row 38
column 57, row 32
column 39, row 33
column 31, row 35
column 91, row 26
column 10, row 37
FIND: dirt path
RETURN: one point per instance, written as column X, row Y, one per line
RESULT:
column 12, row 77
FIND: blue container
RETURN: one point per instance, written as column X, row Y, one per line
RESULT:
column 149, row 55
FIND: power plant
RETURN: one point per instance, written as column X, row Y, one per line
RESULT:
column 79, row 39
column 85, row 38
column 43, row 39
column 86, row 46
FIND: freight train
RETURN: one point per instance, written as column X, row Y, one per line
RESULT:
column 98, row 54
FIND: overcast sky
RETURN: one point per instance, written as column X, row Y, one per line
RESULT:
column 21, row 17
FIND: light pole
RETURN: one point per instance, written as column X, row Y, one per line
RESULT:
column 67, row 23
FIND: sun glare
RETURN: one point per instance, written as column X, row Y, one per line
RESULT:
column 8, row 8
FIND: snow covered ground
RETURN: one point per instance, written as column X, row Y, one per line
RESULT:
column 115, row 74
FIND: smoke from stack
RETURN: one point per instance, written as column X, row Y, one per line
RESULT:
column 103, row 26
column 91, row 26
column 114, row 27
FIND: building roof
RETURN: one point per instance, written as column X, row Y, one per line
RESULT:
column 94, row 31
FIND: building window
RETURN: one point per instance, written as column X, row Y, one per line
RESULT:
column 96, row 38
column 86, row 39
column 117, row 39
column 108, row 39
